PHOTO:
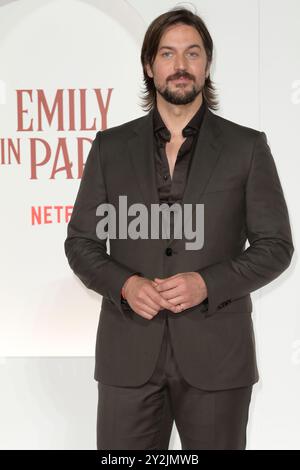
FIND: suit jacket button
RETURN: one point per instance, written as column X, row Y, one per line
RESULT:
column 169, row 251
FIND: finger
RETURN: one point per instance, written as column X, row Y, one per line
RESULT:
column 146, row 308
column 144, row 314
column 150, row 302
column 161, row 297
column 171, row 307
column 178, row 300
column 169, row 284
column 142, row 305
column 152, row 294
column 181, row 307
column 176, row 309
column 170, row 293
column 161, row 300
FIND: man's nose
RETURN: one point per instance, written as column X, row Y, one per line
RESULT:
column 180, row 63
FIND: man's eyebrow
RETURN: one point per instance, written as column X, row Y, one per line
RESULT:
column 173, row 48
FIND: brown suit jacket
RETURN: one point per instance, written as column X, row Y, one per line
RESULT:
column 234, row 175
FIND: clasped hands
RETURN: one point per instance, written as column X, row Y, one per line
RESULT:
column 175, row 293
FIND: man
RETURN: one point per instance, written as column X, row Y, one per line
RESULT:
column 175, row 338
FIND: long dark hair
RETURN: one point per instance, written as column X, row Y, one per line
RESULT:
column 150, row 47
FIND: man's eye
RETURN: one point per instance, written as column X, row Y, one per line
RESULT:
column 194, row 54
column 165, row 54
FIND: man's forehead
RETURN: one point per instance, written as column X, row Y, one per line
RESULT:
column 180, row 36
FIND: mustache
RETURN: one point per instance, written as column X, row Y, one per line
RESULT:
column 181, row 75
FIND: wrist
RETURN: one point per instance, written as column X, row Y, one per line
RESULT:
column 202, row 284
column 123, row 290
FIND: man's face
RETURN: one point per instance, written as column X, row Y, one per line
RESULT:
column 179, row 68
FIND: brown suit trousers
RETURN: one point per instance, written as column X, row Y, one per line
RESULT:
column 141, row 417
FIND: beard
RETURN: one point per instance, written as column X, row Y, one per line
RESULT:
column 179, row 97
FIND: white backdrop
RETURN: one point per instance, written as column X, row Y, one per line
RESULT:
column 84, row 56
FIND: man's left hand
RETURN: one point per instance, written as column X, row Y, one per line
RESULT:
column 187, row 289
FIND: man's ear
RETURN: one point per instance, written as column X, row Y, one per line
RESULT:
column 149, row 71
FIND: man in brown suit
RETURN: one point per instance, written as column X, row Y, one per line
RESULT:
column 175, row 337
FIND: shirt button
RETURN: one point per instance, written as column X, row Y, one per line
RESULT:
column 169, row 251
column 165, row 177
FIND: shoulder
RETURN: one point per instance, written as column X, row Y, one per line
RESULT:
column 238, row 139
column 232, row 129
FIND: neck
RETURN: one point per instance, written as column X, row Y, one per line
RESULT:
column 175, row 116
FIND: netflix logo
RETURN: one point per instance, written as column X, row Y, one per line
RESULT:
column 43, row 215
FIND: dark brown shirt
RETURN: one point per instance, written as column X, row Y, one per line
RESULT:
column 171, row 190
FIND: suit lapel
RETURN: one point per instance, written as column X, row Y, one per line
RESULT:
column 141, row 150
column 206, row 155
column 207, row 152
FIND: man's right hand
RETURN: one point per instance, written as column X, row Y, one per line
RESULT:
column 144, row 299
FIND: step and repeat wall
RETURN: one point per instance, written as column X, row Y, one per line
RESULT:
column 69, row 68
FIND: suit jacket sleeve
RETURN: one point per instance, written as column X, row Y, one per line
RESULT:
column 86, row 253
column 268, row 231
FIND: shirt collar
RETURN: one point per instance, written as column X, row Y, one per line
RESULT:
column 191, row 128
